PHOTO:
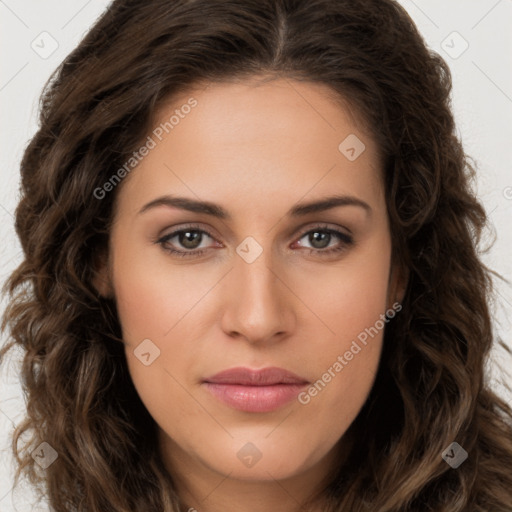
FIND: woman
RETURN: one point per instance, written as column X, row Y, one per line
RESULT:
column 251, row 277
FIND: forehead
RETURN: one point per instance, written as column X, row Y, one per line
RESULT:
column 234, row 140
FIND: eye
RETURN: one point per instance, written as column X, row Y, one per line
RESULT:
column 321, row 238
column 190, row 239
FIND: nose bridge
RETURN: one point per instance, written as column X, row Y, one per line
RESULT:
column 254, row 262
column 257, row 277
column 257, row 280
column 257, row 307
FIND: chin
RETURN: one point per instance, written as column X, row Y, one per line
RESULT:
column 262, row 460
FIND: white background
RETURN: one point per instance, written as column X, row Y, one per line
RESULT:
column 482, row 103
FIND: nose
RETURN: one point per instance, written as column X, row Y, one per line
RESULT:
column 259, row 307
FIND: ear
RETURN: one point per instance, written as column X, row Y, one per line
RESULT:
column 398, row 280
column 101, row 279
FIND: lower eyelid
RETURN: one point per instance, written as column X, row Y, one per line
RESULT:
column 342, row 237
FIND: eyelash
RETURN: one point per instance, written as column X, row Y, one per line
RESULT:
column 346, row 240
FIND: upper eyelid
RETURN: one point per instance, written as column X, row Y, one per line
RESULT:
column 175, row 232
column 300, row 234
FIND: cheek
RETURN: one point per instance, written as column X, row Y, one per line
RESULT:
column 152, row 296
column 349, row 297
column 351, row 301
column 164, row 303
column 154, row 306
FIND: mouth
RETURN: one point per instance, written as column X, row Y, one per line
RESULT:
column 256, row 391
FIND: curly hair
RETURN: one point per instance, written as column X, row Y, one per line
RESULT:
column 431, row 388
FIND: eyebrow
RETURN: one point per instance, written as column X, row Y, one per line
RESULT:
column 215, row 210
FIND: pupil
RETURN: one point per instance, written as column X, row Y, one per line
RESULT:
column 190, row 239
column 322, row 237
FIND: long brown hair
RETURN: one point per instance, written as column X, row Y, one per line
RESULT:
column 431, row 389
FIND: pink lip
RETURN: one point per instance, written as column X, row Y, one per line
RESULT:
column 249, row 390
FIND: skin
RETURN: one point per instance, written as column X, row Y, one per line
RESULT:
column 257, row 150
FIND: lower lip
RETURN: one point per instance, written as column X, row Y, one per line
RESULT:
column 255, row 398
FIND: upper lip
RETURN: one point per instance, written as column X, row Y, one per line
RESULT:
column 262, row 377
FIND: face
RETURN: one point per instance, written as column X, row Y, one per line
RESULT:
column 250, row 263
